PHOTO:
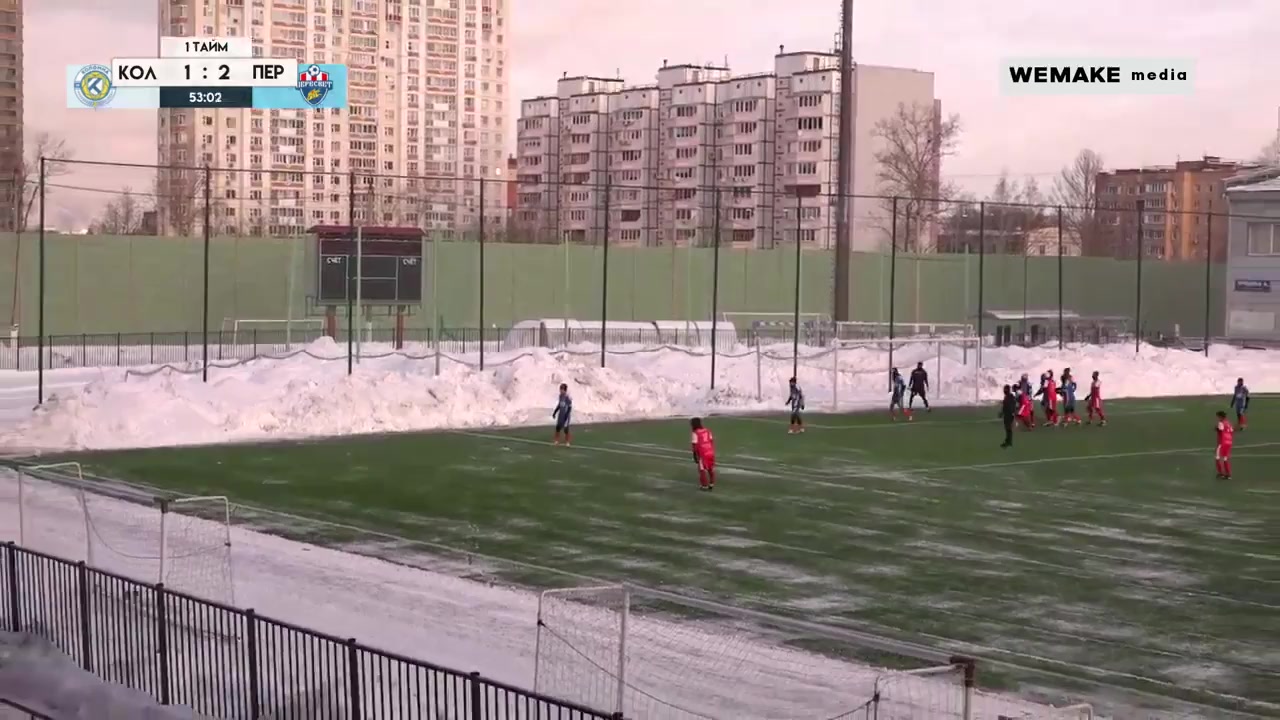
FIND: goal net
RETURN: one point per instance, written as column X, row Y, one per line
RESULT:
column 779, row 327
column 184, row 543
column 862, row 330
column 616, row 650
column 284, row 333
column 854, row 374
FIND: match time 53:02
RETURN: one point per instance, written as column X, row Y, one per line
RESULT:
column 203, row 97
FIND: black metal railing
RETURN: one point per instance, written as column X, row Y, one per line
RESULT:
column 236, row 664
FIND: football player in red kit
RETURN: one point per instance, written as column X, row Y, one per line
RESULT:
column 1026, row 414
column 1095, row 401
column 1050, row 390
column 1222, row 457
column 704, row 454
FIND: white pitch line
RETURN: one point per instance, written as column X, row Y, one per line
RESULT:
column 909, row 423
column 917, row 470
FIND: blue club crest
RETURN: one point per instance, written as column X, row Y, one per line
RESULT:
column 314, row 84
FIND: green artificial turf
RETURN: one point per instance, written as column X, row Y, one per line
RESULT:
column 1080, row 548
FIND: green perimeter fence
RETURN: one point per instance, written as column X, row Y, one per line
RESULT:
column 516, row 250
column 102, row 284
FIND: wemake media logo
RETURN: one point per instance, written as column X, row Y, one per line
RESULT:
column 1098, row 76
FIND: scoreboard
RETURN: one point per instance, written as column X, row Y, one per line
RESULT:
column 207, row 73
column 388, row 265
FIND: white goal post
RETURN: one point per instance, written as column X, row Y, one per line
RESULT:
column 236, row 325
column 650, row 654
column 850, row 375
column 183, row 543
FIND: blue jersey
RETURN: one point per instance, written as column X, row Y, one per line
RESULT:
column 897, row 387
column 1240, row 398
column 796, row 399
column 564, row 406
column 1069, row 391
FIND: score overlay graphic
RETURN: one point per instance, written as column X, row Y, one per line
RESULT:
column 207, row 73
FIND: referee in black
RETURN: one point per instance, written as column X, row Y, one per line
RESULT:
column 1008, row 408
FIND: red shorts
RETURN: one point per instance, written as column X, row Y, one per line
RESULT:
column 1222, row 453
column 707, row 462
column 1095, row 404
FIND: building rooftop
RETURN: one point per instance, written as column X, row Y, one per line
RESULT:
column 1269, row 181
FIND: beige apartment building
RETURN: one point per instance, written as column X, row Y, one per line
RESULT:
column 701, row 135
column 427, row 83
column 11, row 139
column 1177, row 202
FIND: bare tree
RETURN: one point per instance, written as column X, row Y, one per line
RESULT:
column 178, row 196
column 1270, row 153
column 121, row 216
column 55, row 152
column 913, row 141
column 26, row 192
column 1075, row 189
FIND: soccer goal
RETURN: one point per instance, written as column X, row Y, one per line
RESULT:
column 183, row 543
column 619, row 650
column 277, row 331
column 779, row 327
column 854, row 374
column 862, row 330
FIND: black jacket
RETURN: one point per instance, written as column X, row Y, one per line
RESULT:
column 1009, row 407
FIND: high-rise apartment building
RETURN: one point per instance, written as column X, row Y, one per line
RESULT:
column 11, row 139
column 701, row 137
column 428, row 82
column 1177, row 202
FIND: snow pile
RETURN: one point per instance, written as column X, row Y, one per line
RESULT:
column 309, row 395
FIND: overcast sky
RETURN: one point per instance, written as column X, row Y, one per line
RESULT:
column 1232, row 113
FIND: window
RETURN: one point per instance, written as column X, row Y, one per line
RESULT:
column 630, row 155
column 685, row 153
column 684, row 132
column 684, row 111
column 684, row 214
column 809, row 101
column 809, row 123
column 747, row 128
column 811, row 146
column 744, row 171
column 1264, row 238
column 745, row 106
column 743, row 213
column 743, row 149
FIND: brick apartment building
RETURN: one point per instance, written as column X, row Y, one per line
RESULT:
column 11, row 147
column 1176, row 201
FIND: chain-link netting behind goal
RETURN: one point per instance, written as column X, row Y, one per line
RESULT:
column 615, row 650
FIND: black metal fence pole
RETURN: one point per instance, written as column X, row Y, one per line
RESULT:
column 715, row 288
column 86, row 612
column 251, row 652
column 795, row 329
column 1208, row 276
column 351, row 299
column 204, row 318
column 982, row 262
column 1061, row 252
column 604, row 280
column 481, row 283
column 40, row 301
column 1137, row 307
column 162, row 643
column 893, row 273
column 353, row 679
column 15, row 590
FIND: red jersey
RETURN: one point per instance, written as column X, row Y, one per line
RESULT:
column 1095, row 391
column 703, row 442
column 1225, row 433
column 1024, row 404
column 1050, row 392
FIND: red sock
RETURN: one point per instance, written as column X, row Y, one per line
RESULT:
column 702, row 477
column 1226, row 468
column 1243, row 421
column 1217, row 465
column 711, row 478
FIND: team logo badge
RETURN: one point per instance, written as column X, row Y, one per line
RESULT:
column 93, row 86
column 314, row 84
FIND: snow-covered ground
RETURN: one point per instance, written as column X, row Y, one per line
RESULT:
column 469, row 625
